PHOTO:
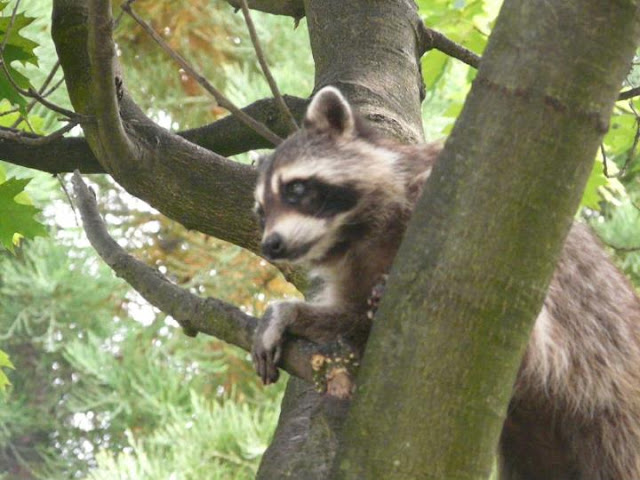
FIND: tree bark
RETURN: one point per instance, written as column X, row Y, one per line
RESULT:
column 482, row 245
column 379, row 73
column 289, row 8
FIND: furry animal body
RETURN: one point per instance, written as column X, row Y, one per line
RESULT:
column 336, row 198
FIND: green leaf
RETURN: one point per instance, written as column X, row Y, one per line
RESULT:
column 591, row 197
column 17, row 48
column 475, row 41
column 619, row 138
column 4, row 360
column 4, row 363
column 16, row 218
column 434, row 65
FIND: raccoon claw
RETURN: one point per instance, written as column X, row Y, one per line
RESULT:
column 267, row 344
column 264, row 361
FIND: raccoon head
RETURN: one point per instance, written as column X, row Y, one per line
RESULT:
column 326, row 186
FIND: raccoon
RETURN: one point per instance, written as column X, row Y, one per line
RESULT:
column 336, row 199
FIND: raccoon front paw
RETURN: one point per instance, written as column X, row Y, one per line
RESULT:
column 267, row 342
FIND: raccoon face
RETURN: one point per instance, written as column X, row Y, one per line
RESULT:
column 301, row 217
column 312, row 190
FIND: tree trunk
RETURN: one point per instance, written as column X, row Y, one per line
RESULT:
column 473, row 270
column 379, row 73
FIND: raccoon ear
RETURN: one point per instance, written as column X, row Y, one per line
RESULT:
column 330, row 112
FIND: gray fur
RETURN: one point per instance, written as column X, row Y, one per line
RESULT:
column 575, row 411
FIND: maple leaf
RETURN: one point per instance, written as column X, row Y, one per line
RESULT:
column 16, row 48
column 16, row 218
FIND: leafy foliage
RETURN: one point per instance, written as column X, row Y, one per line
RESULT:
column 16, row 48
column 16, row 217
column 48, row 296
column 447, row 80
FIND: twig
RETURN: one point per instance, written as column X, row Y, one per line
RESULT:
column 26, row 139
column 223, row 101
column 76, row 217
column 207, row 315
column 31, row 93
column 636, row 138
column 41, row 91
column 437, row 40
column 284, row 110
column 53, row 88
column 627, row 94
column 9, row 112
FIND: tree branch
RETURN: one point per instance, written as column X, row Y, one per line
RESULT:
column 114, row 142
column 207, row 315
column 431, row 39
column 25, row 138
column 226, row 136
column 627, row 94
column 288, row 8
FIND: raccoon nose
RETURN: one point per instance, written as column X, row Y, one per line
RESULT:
column 273, row 246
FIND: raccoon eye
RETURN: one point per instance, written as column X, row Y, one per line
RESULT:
column 294, row 191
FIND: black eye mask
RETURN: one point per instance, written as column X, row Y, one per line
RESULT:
column 319, row 199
